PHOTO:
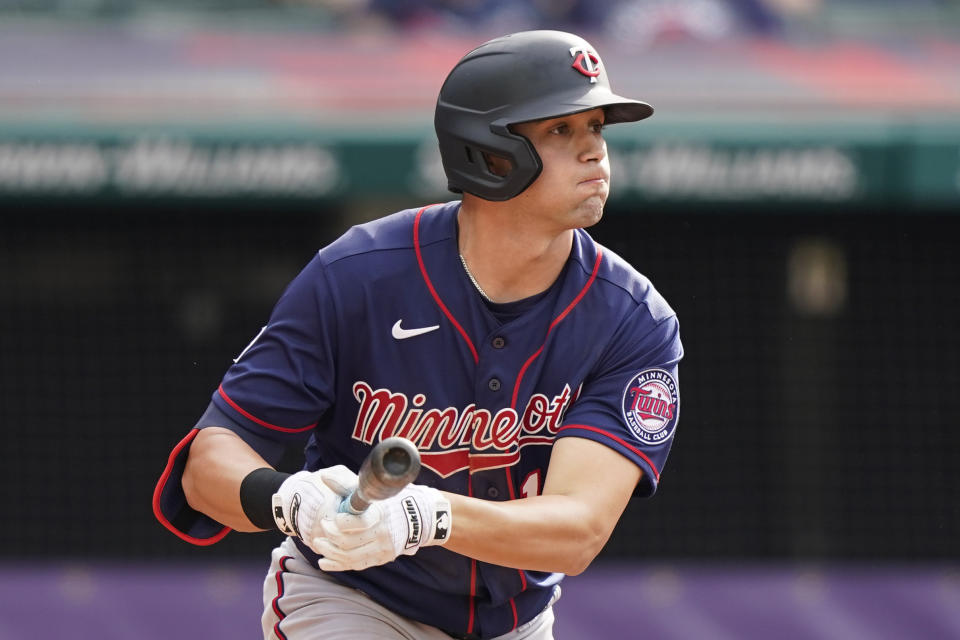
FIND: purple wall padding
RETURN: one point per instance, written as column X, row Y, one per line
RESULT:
column 77, row 601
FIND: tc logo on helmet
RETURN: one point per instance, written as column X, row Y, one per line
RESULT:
column 586, row 62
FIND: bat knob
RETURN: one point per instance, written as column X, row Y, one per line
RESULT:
column 395, row 461
column 391, row 465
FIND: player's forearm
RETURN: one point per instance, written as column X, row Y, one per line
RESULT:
column 562, row 529
column 543, row 533
column 217, row 464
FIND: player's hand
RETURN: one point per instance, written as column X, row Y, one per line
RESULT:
column 307, row 497
column 419, row 516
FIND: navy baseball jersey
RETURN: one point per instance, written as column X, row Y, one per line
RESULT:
column 383, row 334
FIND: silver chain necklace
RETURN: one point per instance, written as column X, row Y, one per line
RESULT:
column 474, row 280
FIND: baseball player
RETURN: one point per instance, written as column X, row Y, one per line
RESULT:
column 534, row 370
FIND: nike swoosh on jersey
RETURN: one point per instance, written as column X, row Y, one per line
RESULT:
column 402, row 334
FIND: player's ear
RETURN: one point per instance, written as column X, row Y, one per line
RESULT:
column 497, row 165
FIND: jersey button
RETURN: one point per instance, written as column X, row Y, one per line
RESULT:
column 494, row 384
column 493, row 492
column 499, row 342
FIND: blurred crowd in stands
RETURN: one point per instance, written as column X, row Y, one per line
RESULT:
column 639, row 22
column 642, row 22
column 645, row 20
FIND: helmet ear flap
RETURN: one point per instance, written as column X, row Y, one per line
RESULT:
column 471, row 173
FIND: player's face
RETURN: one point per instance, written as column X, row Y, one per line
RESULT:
column 575, row 181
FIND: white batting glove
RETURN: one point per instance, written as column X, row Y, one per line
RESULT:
column 419, row 516
column 307, row 497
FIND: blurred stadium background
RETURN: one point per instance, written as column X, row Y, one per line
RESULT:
column 166, row 168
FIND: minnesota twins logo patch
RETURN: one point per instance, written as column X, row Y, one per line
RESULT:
column 650, row 403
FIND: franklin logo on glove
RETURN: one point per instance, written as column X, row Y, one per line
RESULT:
column 413, row 522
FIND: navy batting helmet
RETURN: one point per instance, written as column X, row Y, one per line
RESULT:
column 526, row 76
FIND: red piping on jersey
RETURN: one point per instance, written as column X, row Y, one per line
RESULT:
column 473, row 593
column 276, row 601
column 656, row 474
column 556, row 321
column 158, row 490
column 473, row 565
column 249, row 416
column 433, row 292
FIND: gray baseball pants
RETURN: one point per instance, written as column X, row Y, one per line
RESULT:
column 314, row 606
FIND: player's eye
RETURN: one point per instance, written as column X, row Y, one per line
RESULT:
column 560, row 129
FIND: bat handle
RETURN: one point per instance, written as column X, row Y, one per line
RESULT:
column 355, row 504
column 391, row 465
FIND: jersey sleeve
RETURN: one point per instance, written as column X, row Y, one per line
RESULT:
column 283, row 381
column 272, row 396
column 631, row 402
